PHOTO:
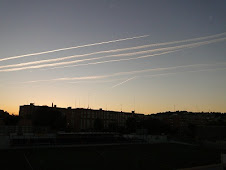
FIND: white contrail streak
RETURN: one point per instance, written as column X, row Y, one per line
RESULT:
column 109, row 61
column 69, row 48
column 74, row 78
column 122, row 82
column 124, row 73
column 163, row 74
column 112, row 51
column 161, row 69
column 116, row 60
column 172, row 49
column 82, row 60
column 192, row 45
column 97, row 81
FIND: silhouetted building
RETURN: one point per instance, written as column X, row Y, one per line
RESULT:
column 80, row 119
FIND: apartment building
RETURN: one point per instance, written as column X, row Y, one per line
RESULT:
column 80, row 119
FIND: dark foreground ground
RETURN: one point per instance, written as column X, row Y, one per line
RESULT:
column 136, row 156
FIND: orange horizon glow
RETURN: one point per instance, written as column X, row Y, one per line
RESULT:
column 13, row 111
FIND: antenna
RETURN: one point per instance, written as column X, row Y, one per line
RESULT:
column 134, row 106
column 88, row 100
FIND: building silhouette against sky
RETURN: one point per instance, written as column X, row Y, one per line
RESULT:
column 80, row 119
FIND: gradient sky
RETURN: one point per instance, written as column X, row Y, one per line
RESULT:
column 168, row 54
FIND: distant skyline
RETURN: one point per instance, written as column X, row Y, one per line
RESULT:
column 148, row 56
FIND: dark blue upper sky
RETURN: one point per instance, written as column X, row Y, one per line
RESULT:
column 67, row 21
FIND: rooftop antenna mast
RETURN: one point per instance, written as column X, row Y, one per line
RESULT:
column 88, row 100
column 134, row 104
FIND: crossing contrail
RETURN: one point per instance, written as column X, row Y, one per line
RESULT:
column 69, row 48
column 122, row 82
column 111, row 51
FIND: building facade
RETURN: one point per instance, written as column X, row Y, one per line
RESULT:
column 80, row 119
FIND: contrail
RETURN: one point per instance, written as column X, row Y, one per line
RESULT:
column 161, row 69
column 122, row 82
column 124, row 73
column 81, row 60
column 98, row 81
column 175, row 48
column 163, row 74
column 69, row 48
column 192, row 45
column 171, row 49
column 77, row 61
column 115, row 60
column 112, row 51
column 74, row 78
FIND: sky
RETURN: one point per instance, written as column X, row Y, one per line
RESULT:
column 122, row 55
